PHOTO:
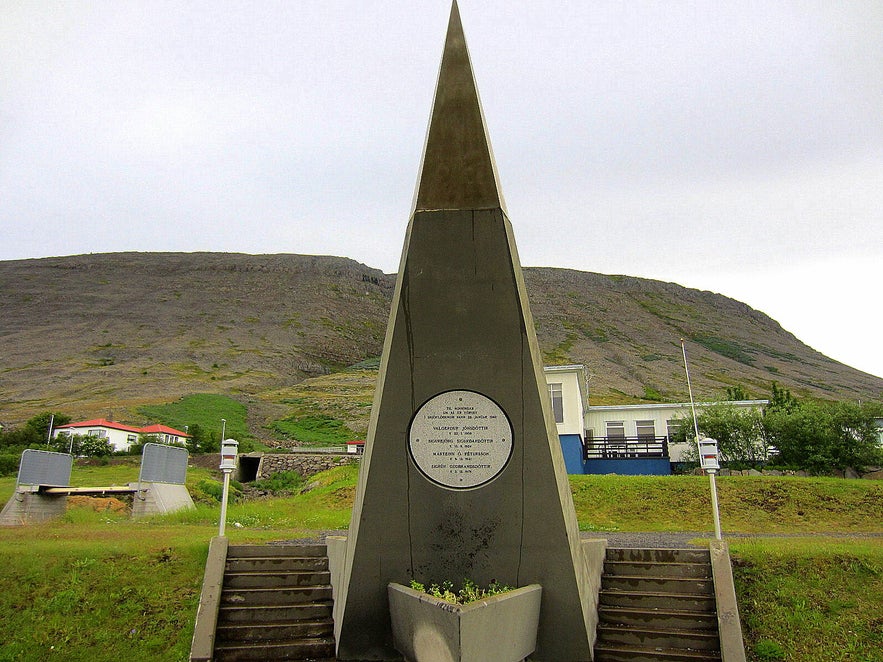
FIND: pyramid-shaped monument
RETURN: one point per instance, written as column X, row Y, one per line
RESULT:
column 462, row 475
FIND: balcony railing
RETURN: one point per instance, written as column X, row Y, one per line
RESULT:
column 608, row 448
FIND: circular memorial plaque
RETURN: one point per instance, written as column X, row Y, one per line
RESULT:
column 460, row 439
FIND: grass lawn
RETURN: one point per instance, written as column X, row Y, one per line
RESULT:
column 97, row 586
column 761, row 504
column 811, row 600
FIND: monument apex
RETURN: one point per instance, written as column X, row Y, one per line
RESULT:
column 458, row 170
column 462, row 475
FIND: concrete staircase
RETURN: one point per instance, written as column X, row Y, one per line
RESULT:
column 657, row 605
column 275, row 604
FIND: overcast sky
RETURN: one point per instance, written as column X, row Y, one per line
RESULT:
column 729, row 146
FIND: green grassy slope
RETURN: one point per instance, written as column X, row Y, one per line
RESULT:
column 97, row 586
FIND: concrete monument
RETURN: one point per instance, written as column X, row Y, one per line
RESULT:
column 462, row 475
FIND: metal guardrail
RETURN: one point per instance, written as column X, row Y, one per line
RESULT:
column 624, row 448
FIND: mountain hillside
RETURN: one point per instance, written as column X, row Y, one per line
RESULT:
column 103, row 334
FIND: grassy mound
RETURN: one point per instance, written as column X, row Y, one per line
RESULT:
column 97, row 586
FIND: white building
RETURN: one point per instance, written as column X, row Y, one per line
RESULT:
column 568, row 391
column 616, row 438
column 657, row 421
column 120, row 436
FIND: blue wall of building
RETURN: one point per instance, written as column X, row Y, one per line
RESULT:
column 649, row 466
column 572, row 448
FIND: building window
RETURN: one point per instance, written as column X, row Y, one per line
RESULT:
column 131, row 439
column 616, row 429
column 645, row 429
column 673, row 428
column 557, row 395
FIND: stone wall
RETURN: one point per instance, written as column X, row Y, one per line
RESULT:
column 305, row 465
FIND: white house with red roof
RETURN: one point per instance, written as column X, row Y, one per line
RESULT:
column 120, row 436
column 165, row 434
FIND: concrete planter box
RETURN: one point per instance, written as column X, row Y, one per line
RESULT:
column 502, row 628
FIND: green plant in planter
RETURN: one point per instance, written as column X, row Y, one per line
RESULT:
column 470, row 592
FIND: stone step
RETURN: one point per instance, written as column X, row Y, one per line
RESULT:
column 658, row 569
column 637, row 654
column 251, row 632
column 614, row 637
column 658, row 600
column 277, row 564
column 656, row 619
column 687, row 586
column 274, row 596
column 274, row 613
column 243, row 551
column 299, row 649
column 237, row 580
column 659, row 555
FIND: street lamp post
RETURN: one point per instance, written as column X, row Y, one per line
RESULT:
column 708, row 453
column 229, row 448
column 708, row 460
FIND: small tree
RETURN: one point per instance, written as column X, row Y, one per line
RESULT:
column 83, row 445
column 39, row 425
column 737, row 392
column 739, row 432
column 91, row 445
column 781, row 399
column 198, row 441
column 825, row 436
column 33, row 434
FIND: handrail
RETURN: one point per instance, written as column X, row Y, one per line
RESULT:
column 603, row 448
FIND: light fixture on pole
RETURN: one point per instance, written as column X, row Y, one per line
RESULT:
column 708, row 452
column 708, row 460
column 229, row 449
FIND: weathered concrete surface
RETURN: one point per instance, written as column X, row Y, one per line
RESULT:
column 337, row 550
column 159, row 498
column 594, row 553
column 203, row 644
column 28, row 506
column 732, row 646
column 460, row 321
column 501, row 628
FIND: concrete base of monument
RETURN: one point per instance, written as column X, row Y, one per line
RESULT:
column 159, row 498
column 27, row 507
column 502, row 628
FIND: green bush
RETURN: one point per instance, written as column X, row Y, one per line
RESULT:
column 212, row 491
column 9, row 464
column 281, row 483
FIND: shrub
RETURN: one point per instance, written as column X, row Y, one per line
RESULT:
column 9, row 464
column 470, row 592
column 281, row 483
column 212, row 491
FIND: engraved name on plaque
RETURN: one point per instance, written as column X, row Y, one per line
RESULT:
column 460, row 439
